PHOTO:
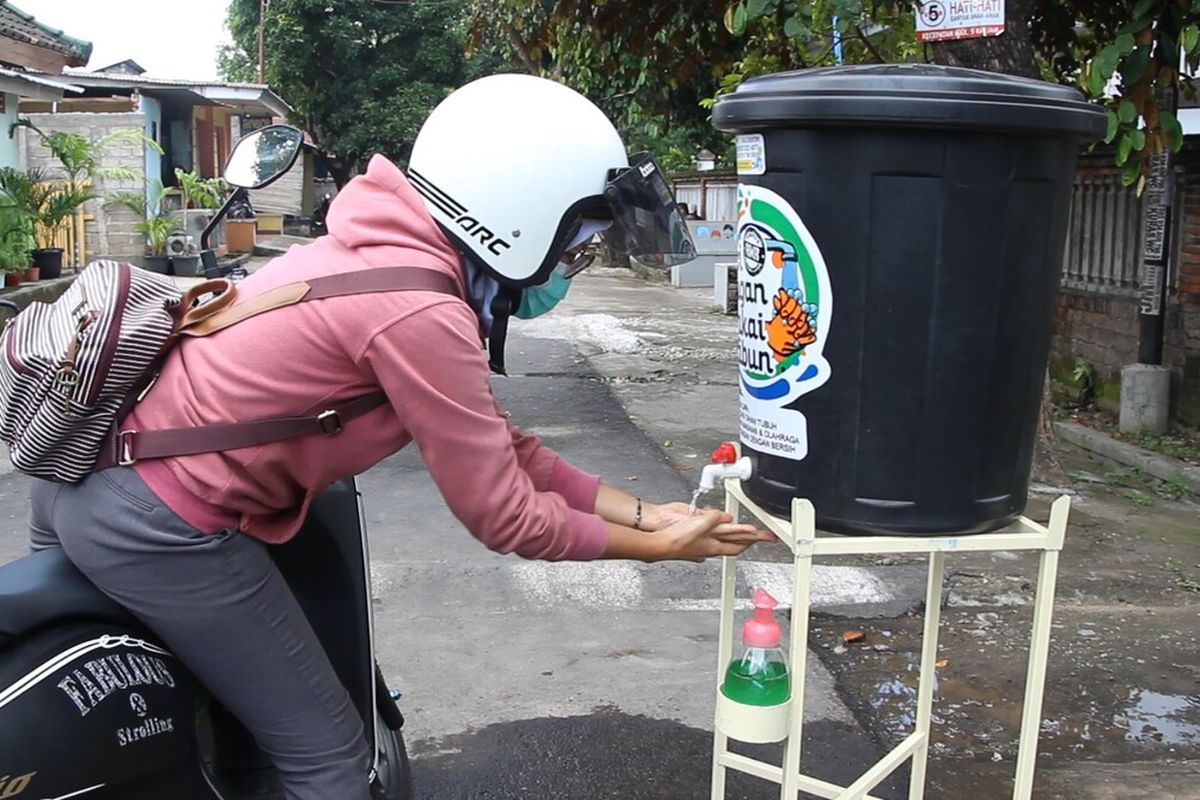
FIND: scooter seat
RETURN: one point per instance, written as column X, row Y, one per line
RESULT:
column 44, row 587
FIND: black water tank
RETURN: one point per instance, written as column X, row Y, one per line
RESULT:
column 900, row 231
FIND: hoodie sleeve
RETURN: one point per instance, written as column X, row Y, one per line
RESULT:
column 436, row 377
column 550, row 472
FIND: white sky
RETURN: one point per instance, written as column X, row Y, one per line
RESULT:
column 170, row 38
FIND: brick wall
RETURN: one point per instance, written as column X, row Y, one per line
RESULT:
column 1101, row 326
column 110, row 233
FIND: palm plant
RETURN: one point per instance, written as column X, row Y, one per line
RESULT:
column 152, row 223
column 81, row 162
column 205, row 193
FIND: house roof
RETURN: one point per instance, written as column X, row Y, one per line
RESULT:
column 32, row 84
column 16, row 24
column 241, row 96
column 126, row 67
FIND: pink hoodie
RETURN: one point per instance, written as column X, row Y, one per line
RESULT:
column 422, row 348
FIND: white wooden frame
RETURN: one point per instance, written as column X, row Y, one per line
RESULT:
column 800, row 535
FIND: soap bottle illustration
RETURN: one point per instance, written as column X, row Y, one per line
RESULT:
column 760, row 676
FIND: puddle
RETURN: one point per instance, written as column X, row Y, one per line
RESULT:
column 1157, row 718
column 1096, row 706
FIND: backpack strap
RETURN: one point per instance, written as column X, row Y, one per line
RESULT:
column 127, row 447
column 201, row 322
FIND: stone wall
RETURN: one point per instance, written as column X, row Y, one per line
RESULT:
column 110, row 232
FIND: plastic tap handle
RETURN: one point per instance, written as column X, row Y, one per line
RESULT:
column 725, row 454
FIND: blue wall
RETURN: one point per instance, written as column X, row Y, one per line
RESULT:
column 153, row 111
column 8, row 147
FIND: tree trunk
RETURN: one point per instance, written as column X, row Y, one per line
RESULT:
column 1012, row 53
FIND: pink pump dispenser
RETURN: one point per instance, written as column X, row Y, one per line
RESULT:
column 760, row 677
column 762, row 630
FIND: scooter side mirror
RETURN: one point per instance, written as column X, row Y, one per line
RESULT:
column 263, row 157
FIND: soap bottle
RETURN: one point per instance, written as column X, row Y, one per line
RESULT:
column 760, row 676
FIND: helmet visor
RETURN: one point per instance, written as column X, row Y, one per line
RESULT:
column 646, row 222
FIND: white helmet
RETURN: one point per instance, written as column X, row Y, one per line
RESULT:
column 510, row 165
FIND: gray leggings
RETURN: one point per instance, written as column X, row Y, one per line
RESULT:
column 220, row 604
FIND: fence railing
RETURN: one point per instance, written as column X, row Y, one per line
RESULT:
column 1105, row 235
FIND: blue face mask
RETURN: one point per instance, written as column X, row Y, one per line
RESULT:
column 538, row 300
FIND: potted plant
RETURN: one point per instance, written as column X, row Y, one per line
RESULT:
column 200, row 197
column 156, row 227
column 15, row 244
column 16, row 227
column 80, row 161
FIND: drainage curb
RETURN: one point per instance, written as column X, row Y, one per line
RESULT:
column 1162, row 467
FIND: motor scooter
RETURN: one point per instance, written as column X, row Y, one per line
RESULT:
column 93, row 706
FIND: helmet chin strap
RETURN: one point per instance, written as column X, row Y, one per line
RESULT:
column 504, row 305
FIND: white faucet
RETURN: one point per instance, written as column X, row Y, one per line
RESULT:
column 712, row 473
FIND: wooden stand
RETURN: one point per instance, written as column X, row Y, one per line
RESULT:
column 800, row 535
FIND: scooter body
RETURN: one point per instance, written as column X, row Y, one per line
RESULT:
column 93, row 706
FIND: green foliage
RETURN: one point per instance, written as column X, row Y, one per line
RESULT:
column 1125, row 55
column 792, row 34
column 41, row 200
column 1174, row 489
column 200, row 192
column 80, row 158
column 648, row 65
column 16, row 235
column 1139, row 498
column 153, row 223
column 361, row 75
column 1083, row 376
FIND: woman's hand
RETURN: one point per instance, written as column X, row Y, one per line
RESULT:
column 656, row 517
column 706, row 534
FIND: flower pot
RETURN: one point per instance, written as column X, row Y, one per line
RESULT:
column 159, row 264
column 185, row 266
column 239, row 233
column 49, row 260
column 33, row 273
column 12, row 278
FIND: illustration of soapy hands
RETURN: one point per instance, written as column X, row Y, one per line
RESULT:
column 791, row 330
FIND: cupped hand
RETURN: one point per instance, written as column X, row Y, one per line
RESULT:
column 707, row 534
column 662, row 516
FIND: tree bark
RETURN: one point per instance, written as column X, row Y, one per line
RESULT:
column 522, row 50
column 1012, row 52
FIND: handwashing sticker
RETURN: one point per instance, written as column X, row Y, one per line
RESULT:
column 785, row 306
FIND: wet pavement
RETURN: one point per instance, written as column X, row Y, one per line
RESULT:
column 1122, row 709
column 538, row 681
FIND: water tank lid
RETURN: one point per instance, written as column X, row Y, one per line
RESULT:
column 908, row 95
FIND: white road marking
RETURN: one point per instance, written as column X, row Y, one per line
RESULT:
column 621, row 585
column 587, row 584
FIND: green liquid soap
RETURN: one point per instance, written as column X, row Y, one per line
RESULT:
column 757, row 684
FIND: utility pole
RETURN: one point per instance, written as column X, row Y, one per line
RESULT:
column 1146, row 385
column 262, row 16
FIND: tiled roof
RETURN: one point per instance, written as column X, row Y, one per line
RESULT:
column 16, row 24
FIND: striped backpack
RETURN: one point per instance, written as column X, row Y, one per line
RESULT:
column 73, row 368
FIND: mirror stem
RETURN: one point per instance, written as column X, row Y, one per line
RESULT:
column 237, row 194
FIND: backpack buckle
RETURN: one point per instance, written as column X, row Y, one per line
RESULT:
column 124, row 448
column 329, row 422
